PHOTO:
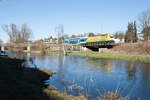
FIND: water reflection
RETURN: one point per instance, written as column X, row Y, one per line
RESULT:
column 93, row 77
column 131, row 70
column 101, row 64
column 61, row 70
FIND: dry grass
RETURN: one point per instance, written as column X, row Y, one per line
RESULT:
column 49, row 72
column 140, row 48
column 55, row 94
column 112, row 96
column 38, row 46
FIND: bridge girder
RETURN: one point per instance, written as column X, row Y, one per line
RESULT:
column 96, row 45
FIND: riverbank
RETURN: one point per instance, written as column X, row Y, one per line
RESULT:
column 19, row 82
column 23, row 83
column 133, row 58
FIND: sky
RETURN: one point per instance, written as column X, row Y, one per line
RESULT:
column 77, row 16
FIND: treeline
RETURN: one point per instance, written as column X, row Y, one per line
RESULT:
column 16, row 34
column 131, row 35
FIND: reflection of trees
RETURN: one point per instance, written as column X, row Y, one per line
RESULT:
column 103, row 64
column 41, row 57
column 131, row 70
column 18, row 55
column 61, row 70
column 145, row 71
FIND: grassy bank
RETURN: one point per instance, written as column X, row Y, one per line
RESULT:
column 133, row 58
column 55, row 94
column 23, row 83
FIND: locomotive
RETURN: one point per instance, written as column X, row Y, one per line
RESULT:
column 91, row 39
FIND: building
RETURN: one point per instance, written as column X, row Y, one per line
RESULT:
column 141, row 37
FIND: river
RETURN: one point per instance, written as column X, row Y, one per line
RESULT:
column 94, row 77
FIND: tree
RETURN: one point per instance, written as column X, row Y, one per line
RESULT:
column 65, row 36
column 91, row 34
column 116, row 35
column 131, row 34
column 25, row 33
column 1, row 41
column 59, row 31
column 146, row 32
column 17, row 35
column 120, row 35
column 144, row 20
column 73, row 36
column 135, row 32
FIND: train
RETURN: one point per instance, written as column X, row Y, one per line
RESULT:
column 100, row 38
column 75, row 40
column 91, row 39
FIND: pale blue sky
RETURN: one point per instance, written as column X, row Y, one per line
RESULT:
column 77, row 16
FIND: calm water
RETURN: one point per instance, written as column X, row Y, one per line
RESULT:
column 93, row 77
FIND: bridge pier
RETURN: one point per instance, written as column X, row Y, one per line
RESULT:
column 2, row 49
column 101, row 50
column 84, row 48
column 28, row 48
column 72, row 48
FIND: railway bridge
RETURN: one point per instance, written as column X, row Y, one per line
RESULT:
column 96, row 46
column 25, row 46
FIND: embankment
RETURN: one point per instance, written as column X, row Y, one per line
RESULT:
column 21, row 83
column 114, row 56
column 127, row 51
column 139, row 48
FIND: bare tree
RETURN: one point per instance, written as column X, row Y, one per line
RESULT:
column 91, row 34
column 73, row 36
column 144, row 19
column 66, row 36
column 25, row 33
column 146, row 32
column 17, row 35
column 119, row 35
column 59, row 31
column 1, row 41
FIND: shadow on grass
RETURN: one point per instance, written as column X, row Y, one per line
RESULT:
column 21, row 83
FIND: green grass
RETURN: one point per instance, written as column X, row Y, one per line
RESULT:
column 55, row 94
column 132, row 58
